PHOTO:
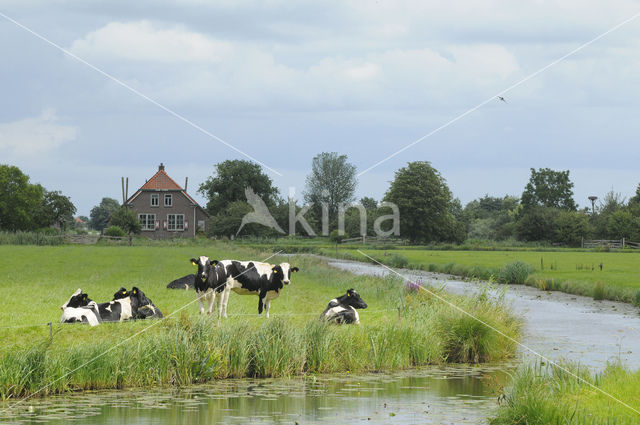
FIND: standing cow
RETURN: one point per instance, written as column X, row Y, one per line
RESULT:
column 210, row 283
column 256, row 278
column 343, row 309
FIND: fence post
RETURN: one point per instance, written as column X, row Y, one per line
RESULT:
column 623, row 242
column 582, row 241
column 50, row 330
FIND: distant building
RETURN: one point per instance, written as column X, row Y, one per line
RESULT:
column 165, row 209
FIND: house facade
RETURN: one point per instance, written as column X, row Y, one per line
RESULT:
column 165, row 209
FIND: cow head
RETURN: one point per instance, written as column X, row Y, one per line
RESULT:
column 78, row 299
column 353, row 299
column 283, row 272
column 204, row 267
column 121, row 293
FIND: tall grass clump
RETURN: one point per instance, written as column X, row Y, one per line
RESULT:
column 515, row 272
column 599, row 291
column 549, row 395
column 31, row 238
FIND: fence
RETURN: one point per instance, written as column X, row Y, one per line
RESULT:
column 374, row 240
column 610, row 243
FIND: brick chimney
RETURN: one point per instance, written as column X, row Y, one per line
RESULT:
column 161, row 167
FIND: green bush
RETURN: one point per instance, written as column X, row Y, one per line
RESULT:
column 114, row 231
column 599, row 291
column 515, row 273
column 397, row 260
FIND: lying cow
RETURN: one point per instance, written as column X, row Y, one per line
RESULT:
column 124, row 306
column 185, row 282
column 210, row 284
column 256, row 278
column 79, row 308
column 343, row 309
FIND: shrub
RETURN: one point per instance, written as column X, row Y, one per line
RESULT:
column 515, row 272
column 599, row 291
column 397, row 260
column 114, row 231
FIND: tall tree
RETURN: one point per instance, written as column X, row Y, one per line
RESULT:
column 549, row 188
column 101, row 213
column 56, row 209
column 332, row 180
column 18, row 199
column 229, row 181
column 425, row 203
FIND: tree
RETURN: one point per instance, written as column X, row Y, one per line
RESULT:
column 332, row 180
column 369, row 203
column 537, row 224
column 18, row 199
column 571, row 227
column 101, row 213
column 424, row 201
column 229, row 182
column 55, row 209
column 127, row 220
column 491, row 217
column 548, row 188
column 621, row 224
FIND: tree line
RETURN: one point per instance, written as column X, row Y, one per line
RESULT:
column 544, row 212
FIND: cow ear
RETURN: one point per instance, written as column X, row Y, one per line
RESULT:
column 135, row 291
column 348, row 294
column 274, row 270
column 84, row 297
column 214, row 262
column 294, row 269
column 194, row 262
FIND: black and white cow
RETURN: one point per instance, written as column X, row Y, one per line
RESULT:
column 210, row 283
column 185, row 282
column 79, row 308
column 125, row 305
column 256, row 278
column 142, row 307
column 343, row 309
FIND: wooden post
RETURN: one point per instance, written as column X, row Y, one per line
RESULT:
column 623, row 242
column 50, row 330
column 582, row 243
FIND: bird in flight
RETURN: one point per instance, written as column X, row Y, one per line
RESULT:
column 260, row 214
column 502, row 99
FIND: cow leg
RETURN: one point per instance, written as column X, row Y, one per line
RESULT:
column 225, row 300
column 219, row 298
column 212, row 300
column 199, row 296
column 261, row 298
column 267, row 304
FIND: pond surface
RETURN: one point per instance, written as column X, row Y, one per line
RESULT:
column 445, row 395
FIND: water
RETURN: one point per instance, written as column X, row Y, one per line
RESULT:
column 445, row 395
column 558, row 326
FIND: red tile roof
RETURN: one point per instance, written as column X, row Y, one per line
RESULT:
column 161, row 181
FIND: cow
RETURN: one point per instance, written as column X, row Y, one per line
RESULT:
column 256, row 278
column 125, row 305
column 185, row 282
column 210, row 283
column 142, row 307
column 79, row 308
column 343, row 309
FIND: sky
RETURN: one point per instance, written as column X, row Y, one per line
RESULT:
column 168, row 82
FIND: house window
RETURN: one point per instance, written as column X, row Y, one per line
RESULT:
column 201, row 225
column 155, row 200
column 168, row 200
column 147, row 221
column 175, row 222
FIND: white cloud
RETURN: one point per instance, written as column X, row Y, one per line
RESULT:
column 142, row 41
column 34, row 137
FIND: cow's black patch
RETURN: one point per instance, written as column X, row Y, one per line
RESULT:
column 186, row 282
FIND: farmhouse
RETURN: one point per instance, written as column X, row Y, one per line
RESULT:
column 165, row 209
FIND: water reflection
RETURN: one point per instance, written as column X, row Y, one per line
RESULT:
column 447, row 395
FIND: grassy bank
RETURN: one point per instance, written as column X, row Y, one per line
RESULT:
column 567, row 271
column 400, row 329
column 542, row 395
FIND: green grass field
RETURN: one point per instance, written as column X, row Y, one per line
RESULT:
column 399, row 329
column 550, row 396
column 570, row 271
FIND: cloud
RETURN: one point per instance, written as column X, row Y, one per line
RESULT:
column 141, row 41
column 33, row 137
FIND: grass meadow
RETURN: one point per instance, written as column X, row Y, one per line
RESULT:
column 571, row 271
column 400, row 329
column 550, row 396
